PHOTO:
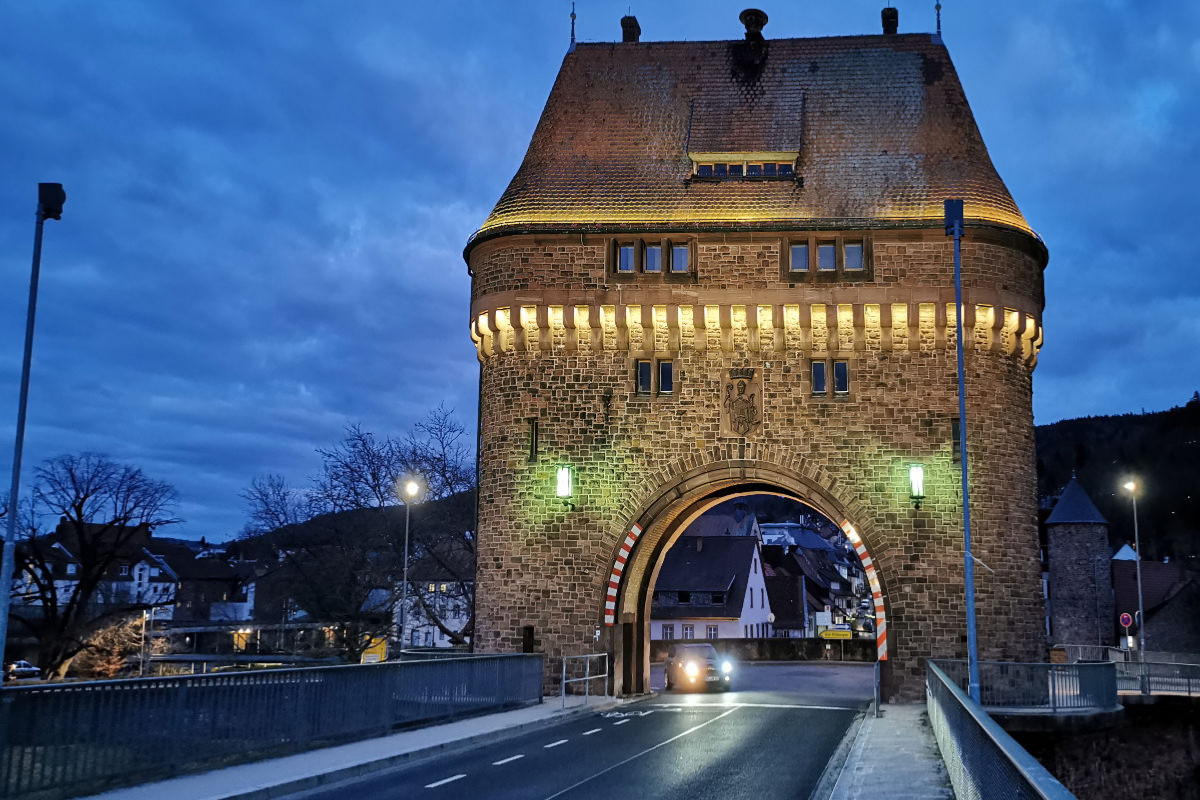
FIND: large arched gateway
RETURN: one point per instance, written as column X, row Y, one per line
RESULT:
column 721, row 269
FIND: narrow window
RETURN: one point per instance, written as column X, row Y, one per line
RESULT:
column 841, row 377
column 854, row 255
column 689, row 631
column 679, row 258
column 799, row 258
column 653, row 258
column 818, row 377
column 721, row 170
column 710, row 632
column 769, row 170
column 826, row 256
column 666, row 377
column 955, row 437
column 752, row 598
column 705, row 170
column 644, row 374
column 625, row 258
column 754, row 170
column 785, row 170
column 761, row 599
column 735, row 170
column 533, row 441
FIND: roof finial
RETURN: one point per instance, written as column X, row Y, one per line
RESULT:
column 938, row 8
column 571, row 49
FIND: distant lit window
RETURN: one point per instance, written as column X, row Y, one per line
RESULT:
column 666, row 377
column 644, row 371
column 841, row 377
column 853, row 254
column 826, row 256
column 705, row 170
column 625, row 258
column 799, row 261
column 443, row 587
column 818, row 377
column 679, row 258
column 653, row 258
column 689, row 631
column 432, row 587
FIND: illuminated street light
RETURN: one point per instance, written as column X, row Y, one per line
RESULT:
column 565, row 483
column 916, row 483
column 412, row 488
column 1132, row 487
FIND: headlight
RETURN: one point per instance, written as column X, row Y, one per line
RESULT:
column 726, row 667
column 691, row 669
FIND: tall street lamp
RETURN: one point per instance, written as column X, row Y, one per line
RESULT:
column 51, row 198
column 1131, row 487
column 410, row 491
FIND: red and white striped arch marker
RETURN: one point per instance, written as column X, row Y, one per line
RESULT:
column 876, row 592
column 614, row 580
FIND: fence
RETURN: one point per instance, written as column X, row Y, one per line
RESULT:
column 1093, row 652
column 1054, row 688
column 981, row 759
column 68, row 739
column 1157, row 678
column 587, row 677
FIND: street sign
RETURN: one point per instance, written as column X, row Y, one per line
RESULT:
column 824, row 618
column 842, row 626
column 376, row 651
column 832, row 634
column 1126, row 619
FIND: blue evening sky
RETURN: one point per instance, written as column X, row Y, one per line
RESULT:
column 268, row 203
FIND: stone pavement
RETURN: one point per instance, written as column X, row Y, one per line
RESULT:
column 894, row 756
column 276, row 777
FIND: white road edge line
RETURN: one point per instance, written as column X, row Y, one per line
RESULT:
column 506, row 760
column 756, row 705
column 443, row 781
column 620, row 722
column 555, row 744
column 593, row 730
column 692, row 729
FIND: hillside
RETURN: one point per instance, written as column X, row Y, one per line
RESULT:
column 1161, row 449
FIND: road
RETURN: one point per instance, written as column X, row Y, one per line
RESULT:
column 769, row 738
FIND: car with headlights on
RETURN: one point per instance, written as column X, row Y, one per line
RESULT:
column 20, row 669
column 697, row 666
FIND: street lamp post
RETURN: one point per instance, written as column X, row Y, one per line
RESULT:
column 1131, row 487
column 50, row 205
column 411, row 488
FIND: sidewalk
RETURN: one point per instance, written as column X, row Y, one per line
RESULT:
column 894, row 756
column 276, row 777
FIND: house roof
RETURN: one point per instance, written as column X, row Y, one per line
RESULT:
column 786, row 603
column 880, row 125
column 1160, row 582
column 1074, row 506
column 706, row 564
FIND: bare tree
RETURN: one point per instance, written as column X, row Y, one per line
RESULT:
column 103, row 508
column 113, row 649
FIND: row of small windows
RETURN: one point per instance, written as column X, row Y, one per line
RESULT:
column 820, row 377
column 746, row 169
column 689, row 631
column 657, row 377
column 654, row 258
column 826, row 256
column 654, row 376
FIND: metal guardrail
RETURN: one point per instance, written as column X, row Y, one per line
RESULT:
column 588, row 675
column 1092, row 652
column 1153, row 678
column 63, row 740
column 981, row 759
column 1040, row 688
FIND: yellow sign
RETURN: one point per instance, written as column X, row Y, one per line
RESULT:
column 376, row 651
column 831, row 634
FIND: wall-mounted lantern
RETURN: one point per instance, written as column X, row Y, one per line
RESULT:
column 916, row 483
column 565, row 482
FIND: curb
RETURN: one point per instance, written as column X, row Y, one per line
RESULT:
column 326, row 779
column 827, row 783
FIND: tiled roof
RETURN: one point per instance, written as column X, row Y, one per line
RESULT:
column 881, row 125
column 1074, row 506
column 706, row 564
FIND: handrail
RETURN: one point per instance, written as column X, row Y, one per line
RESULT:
column 587, row 678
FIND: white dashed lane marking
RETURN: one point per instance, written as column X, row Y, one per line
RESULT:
column 593, row 730
column 506, row 760
column 621, row 722
column 556, row 744
column 444, row 781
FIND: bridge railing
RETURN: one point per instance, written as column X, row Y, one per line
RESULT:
column 61, row 740
column 1040, row 688
column 981, row 759
column 1159, row 678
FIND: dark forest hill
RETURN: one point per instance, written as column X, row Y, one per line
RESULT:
column 1161, row 450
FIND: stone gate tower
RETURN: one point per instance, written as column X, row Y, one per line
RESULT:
column 721, row 269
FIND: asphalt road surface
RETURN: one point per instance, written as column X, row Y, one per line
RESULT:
column 769, row 738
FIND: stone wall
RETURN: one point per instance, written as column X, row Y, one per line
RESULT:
column 1081, row 594
column 557, row 346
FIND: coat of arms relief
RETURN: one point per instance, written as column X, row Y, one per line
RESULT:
column 741, row 403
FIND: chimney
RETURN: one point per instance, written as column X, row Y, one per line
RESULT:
column 630, row 30
column 891, row 21
column 754, row 20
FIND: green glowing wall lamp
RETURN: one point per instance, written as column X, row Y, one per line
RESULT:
column 565, row 484
column 916, row 483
